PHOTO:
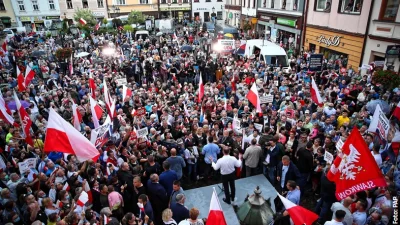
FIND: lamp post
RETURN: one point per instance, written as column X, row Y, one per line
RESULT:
column 169, row 9
column 391, row 56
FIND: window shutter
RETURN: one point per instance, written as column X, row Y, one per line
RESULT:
column 180, row 2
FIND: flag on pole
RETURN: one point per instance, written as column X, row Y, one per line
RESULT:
column 126, row 93
column 77, row 117
column 92, row 86
column 66, row 187
column 215, row 215
column 201, row 89
column 29, row 75
column 82, row 21
column 61, row 136
column 315, row 95
column 20, row 80
column 97, row 112
column 97, row 27
column 298, row 214
column 26, row 121
column 254, row 98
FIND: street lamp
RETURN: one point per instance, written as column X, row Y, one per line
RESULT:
column 391, row 56
column 169, row 9
column 213, row 9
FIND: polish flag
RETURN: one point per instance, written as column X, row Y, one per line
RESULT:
column 233, row 83
column 29, row 75
column 66, row 187
column 201, row 89
column 25, row 120
column 396, row 111
column 5, row 113
column 77, row 117
column 109, row 101
column 126, row 93
column 59, row 204
column 254, row 98
column 106, row 220
column 186, row 110
column 3, row 104
column 21, row 80
column 4, row 46
column 97, row 112
column 87, row 189
column 134, row 113
column 141, row 209
column 298, row 214
column 71, row 67
column 82, row 21
column 315, row 95
column 61, row 136
column 83, row 198
column 97, row 27
column 173, row 77
column 216, row 215
column 92, row 86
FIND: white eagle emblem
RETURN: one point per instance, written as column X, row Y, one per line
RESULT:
column 347, row 166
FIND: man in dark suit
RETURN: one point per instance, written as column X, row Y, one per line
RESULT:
column 148, row 209
column 167, row 178
column 179, row 211
column 158, row 197
column 286, row 170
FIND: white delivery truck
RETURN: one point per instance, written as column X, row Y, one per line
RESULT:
column 269, row 52
column 165, row 25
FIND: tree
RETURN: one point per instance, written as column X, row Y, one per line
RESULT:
column 85, row 14
column 135, row 17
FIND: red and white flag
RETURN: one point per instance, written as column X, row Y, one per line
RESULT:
column 83, row 198
column 26, row 121
column 77, row 117
column 355, row 169
column 71, row 67
column 106, row 219
column 59, row 204
column 298, row 214
column 4, row 105
column 87, row 189
column 126, row 93
column 186, row 110
column 97, row 27
column 215, row 215
column 396, row 111
column 233, row 83
column 82, row 21
column 201, row 89
column 66, row 187
column 20, row 80
column 254, row 98
column 97, row 112
column 29, row 75
column 4, row 46
column 315, row 95
column 109, row 101
column 61, row 136
column 92, row 86
column 226, row 104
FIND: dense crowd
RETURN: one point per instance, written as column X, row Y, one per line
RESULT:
column 138, row 180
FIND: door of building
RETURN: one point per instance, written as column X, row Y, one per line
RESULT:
column 206, row 16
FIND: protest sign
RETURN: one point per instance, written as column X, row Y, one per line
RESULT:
column 100, row 135
column 266, row 99
column 142, row 132
column 141, row 111
column 328, row 157
column 339, row 145
column 316, row 62
column 26, row 165
column 226, row 45
column 379, row 123
column 121, row 81
column 258, row 127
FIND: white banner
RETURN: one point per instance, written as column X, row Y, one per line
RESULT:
column 26, row 165
column 266, row 99
column 142, row 132
column 100, row 135
column 226, row 45
column 379, row 123
column 258, row 127
column 121, row 81
column 328, row 157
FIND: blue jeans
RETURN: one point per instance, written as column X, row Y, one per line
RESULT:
column 192, row 171
column 269, row 172
column 302, row 182
column 322, row 209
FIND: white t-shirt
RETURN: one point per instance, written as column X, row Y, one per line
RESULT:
column 378, row 158
column 333, row 222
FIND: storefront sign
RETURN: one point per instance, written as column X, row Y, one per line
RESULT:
column 316, row 62
column 253, row 20
column 331, row 41
column 25, row 18
column 176, row 9
column 99, row 14
column 52, row 17
column 266, row 18
column 202, row 9
column 230, row 15
column 287, row 22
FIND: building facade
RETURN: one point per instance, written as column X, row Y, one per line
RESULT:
column 41, row 13
column 204, row 10
column 248, row 16
column 68, row 8
column 147, row 7
column 282, row 21
column 177, row 9
column 337, row 30
column 233, row 11
column 383, row 34
column 7, row 15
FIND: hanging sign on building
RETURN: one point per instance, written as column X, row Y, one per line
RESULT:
column 331, row 41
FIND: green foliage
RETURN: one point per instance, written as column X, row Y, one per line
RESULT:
column 388, row 79
column 65, row 25
column 105, row 21
column 128, row 28
column 48, row 35
column 136, row 17
column 117, row 23
column 85, row 14
column 246, row 27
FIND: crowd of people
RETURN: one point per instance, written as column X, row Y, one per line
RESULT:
column 139, row 180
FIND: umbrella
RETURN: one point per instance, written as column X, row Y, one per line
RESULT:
column 228, row 35
column 13, row 106
column 186, row 48
column 38, row 53
column 82, row 54
column 159, row 34
column 383, row 104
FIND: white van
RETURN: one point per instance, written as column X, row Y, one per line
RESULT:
column 269, row 52
column 143, row 34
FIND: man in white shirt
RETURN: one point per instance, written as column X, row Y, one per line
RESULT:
column 339, row 217
column 348, row 218
column 227, row 164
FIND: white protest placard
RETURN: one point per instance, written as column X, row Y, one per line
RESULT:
column 339, row 145
column 328, row 157
column 266, row 99
column 100, row 135
column 258, row 127
column 226, row 45
column 142, row 132
column 121, row 81
column 379, row 123
column 26, row 165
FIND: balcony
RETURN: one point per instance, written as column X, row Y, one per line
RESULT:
column 385, row 29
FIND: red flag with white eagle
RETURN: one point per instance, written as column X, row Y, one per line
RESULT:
column 201, row 89
column 29, row 75
column 97, row 112
column 82, row 21
column 92, row 86
column 355, row 169
column 61, row 136
column 20, row 80
column 215, row 215
column 126, row 93
column 315, row 95
column 298, row 214
column 254, row 98
column 77, row 117
column 25, row 120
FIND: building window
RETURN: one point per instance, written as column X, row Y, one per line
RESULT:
column 350, row 6
column 219, row 15
column 208, row 0
column 51, row 4
column 21, row 5
column 196, row 0
column 121, row 2
column 175, row 1
column 323, row 5
column 85, row 4
column 35, row 6
column 69, row 4
column 185, row 1
column 100, row 4
column 389, row 10
column 144, row 1
column 2, row 6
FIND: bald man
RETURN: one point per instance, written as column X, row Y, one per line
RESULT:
column 348, row 219
column 177, row 163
